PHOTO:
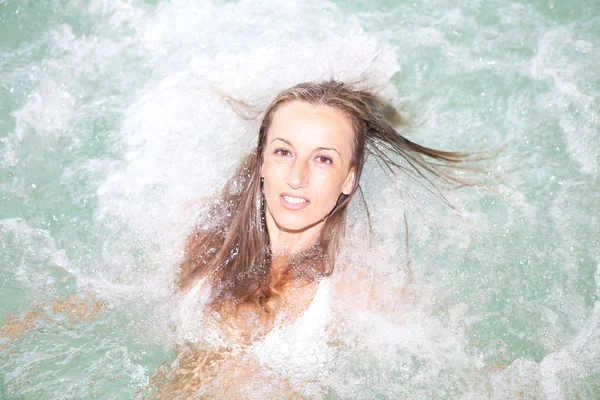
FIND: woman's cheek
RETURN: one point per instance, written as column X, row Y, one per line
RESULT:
column 324, row 185
column 273, row 172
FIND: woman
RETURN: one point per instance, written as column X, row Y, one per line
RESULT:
column 263, row 256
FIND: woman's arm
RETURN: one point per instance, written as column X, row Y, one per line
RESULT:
column 205, row 373
column 75, row 307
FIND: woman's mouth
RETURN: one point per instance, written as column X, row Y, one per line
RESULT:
column 293, row 202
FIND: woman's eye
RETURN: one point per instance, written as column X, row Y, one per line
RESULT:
column 324, row 160
column 283, row 152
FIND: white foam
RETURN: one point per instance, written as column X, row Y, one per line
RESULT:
column 39, row 262
column 181, row 140
column 48, row 112
column 570, row 98
column 565, row 370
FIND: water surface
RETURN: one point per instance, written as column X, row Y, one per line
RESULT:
column 111, row 131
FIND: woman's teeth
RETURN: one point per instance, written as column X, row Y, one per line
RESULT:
column 294, row 200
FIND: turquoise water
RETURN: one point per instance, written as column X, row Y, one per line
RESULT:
column 111, row 133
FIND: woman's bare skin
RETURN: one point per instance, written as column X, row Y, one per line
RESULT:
column 76, row 308
column 217, row 373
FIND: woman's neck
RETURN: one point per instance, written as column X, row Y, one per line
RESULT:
column 284, row 242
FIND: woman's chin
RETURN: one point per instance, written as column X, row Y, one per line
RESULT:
column 296, row 225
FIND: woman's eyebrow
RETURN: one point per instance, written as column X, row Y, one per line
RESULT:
column 283, row 140
column 328, row 148
column 318, row 148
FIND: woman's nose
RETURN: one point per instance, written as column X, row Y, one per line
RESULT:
column 299, row 174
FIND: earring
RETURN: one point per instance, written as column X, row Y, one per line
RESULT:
column 261, row 205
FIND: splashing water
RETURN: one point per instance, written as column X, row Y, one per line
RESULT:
column 112, row 130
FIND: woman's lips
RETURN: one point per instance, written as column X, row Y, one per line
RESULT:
column 294, row 202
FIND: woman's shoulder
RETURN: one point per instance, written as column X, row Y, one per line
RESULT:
column 194, row 315
column 196, row 296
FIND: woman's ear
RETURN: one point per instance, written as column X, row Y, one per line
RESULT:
column 349, row 182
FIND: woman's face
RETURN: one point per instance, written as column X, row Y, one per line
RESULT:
column 306, row 164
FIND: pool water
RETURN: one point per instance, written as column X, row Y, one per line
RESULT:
column 112, row 131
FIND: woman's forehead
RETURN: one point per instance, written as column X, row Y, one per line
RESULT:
column 308, row 124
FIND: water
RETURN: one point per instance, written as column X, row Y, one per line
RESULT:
column 112, row 132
